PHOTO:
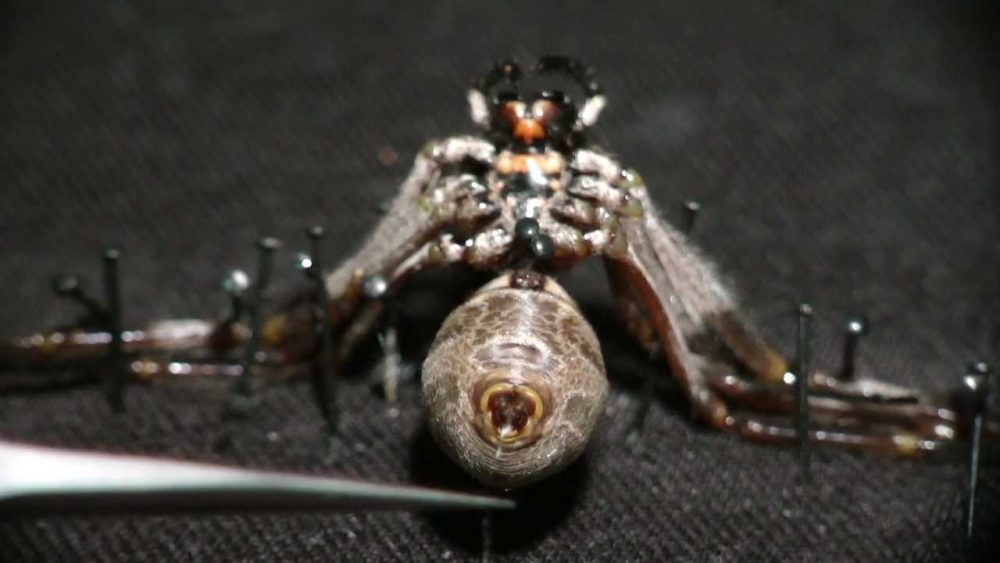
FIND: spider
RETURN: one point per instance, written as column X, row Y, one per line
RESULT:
column 515, row 382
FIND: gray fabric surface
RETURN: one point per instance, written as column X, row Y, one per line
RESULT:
column 844, row 153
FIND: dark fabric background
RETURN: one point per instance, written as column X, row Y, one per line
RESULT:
column 844, row 153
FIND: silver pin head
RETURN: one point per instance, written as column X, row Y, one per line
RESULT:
column 236, row 282
column 303, row 262
column 375, row 287
column 976, row 377
column 66, row 284
column 315, row 232
column 857, row 327
column 269, row 244
column 111, row 253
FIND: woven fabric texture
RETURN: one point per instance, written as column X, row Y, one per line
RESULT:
column 844, row 153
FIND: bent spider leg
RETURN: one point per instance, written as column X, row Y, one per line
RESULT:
column 436, row 253
column 702, row 302
column 649, row 284
column 708, row 307
column 425, row 206
column 639, row 326
column 714, row 309
column 419, row 212
column 648, row 278
column 869, row 402
column 383, row 285
column 379, row 289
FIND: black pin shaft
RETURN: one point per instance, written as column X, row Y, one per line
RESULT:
column 689, row 216
column 977, row 382
column 266, row 247
column 856, row 328
column 324, row 379
column 487, row 539
column 70, row 286
column 645, row 402
column 802, row 383
column 114, row 383
column 235, row 285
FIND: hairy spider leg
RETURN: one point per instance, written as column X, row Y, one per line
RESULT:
column 670, row 298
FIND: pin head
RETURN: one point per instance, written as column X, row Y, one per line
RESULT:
column 857, row 327
column 268, row 244
column 976, row 376
column 111, row 253
column 303, row 262
column 67, row 284
column 236, row 282
column 315, row 232
column 375, row 287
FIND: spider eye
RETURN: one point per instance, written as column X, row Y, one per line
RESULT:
column 511, row 112
column 545, row 111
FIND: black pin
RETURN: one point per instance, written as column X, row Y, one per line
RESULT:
column 324, row 380
column 376, row 287
column 976, row 380
column 802, row 369
column 70, row 286
column 856, row 328
column 487, row 539
column 114, row 382
column 241, row 394
column 645, row 402
column 235, row 284
column 689, row 216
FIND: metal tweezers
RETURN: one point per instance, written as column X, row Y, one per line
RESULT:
column 44, row 480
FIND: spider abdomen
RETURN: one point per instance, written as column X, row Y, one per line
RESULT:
column 515, row 381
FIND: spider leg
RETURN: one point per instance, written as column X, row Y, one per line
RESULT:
column 64, row 346
column 648, row 279
column 707, row 306
column 923, row 419
column 671, row 298
column 439, row 252
column 429, row 201
column 635, row 265
column 425, row 205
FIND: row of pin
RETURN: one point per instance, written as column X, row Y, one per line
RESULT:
column 106, row 483
column 108, row 315
column 323, row 378
column 976, row 380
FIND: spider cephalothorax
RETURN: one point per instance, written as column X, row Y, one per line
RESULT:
column 546, row 119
